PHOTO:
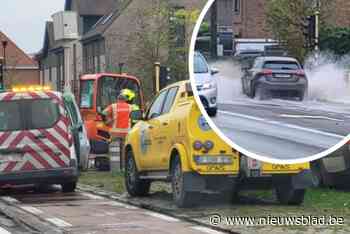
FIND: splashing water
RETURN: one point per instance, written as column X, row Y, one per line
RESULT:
column 328, row 77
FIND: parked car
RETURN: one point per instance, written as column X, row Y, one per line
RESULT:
column 81, row 140
column 334, row 170
column 206, row 83
column 174, row 143
column 36, row 140
column 275, row 77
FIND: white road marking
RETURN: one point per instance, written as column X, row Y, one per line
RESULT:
column 92, row 196
column 206, row 230
column 59, row 222
column 10, row 199
column 32, row 210
column 284, row 125
column 4, row 231
column 161, row 216
column 310, row 117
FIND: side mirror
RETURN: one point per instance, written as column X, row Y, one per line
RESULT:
column 214, row 71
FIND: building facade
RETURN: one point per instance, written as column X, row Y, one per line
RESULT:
column 20, row 68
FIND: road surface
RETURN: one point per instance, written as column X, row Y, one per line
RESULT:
column 83, row 212
column 278, row 129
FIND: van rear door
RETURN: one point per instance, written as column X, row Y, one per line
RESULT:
column 35, row 136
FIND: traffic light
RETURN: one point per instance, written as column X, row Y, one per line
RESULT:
column 164, row 76
column 309, row 31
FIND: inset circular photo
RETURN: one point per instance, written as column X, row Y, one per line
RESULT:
column 273, row 80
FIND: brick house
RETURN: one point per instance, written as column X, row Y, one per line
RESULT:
column 104, row 31
column 249, row 17
column 20, row 68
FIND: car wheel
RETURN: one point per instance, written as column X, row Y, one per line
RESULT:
column 301, row 96
column 212, row 111
column 287, row 195
column 134, row 185
column 182, row 198
column 69, row 187
column 260, row 93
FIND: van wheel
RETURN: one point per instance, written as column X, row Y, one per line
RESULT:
column 260, row 93
column 212, row 111
column 181, row 197
column 69, row 187
column 287, row 195
column 134, row 185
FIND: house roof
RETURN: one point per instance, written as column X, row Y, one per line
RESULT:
column 91, row 7
column 103, row 24
column 15, row 57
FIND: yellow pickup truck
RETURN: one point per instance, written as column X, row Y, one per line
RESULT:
column 173, row 142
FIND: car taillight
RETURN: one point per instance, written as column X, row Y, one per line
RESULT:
column 266, row 72
column 300, row 73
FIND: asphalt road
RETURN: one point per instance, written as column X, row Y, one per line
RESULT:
column 278, row 129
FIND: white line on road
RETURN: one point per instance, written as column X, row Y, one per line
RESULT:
column 32, row 210
column 92, row 196
column 206, row 230
column 310, row 117
column 59, row 222
column 4, row 231
column 10, row 199
column 161, row 216
column 284, row 125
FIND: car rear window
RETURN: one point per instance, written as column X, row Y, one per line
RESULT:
column 281, row 65
column 10, row 117
column 28, row 114
column 42, row 113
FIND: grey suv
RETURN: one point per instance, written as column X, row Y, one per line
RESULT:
column 275, row 77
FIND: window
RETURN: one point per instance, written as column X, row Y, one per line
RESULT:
column 237, row 6
column 157, row 106
column 42, row 113
column 200, row 65
column 281, row 65
column 87, row 93
column 10, row 119
column 170, row 100
column 110, row 87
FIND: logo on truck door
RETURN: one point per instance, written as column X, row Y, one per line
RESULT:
column 144, row 139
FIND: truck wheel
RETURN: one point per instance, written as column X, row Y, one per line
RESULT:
column 134, row 185
column 287, row 195
column 212, row 111
column 69, row 187
column 182, row 198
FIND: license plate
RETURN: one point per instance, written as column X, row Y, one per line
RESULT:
column 282, row 75
column 215, row 168
column 10, row 158
column 284, row 167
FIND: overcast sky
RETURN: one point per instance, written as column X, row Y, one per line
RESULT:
column 24, row 21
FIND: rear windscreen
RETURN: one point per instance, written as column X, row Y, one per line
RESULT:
column 42, row 114
column 28, row 114
column 10, row 118
column 281, row 65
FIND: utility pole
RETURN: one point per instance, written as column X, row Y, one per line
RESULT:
column 317, row 24
column 214, row 30
column 3, row 65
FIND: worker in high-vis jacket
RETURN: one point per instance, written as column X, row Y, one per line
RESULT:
column 118, row 115
column 130, row 99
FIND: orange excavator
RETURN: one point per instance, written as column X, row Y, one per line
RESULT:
column 97, row 91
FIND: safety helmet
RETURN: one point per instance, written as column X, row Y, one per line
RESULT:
column 129, row 94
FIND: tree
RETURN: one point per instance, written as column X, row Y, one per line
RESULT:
column 336, row 40
column 285, row 19
column 163, row 35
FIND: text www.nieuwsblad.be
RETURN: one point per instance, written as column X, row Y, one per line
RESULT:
column 303, row 220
